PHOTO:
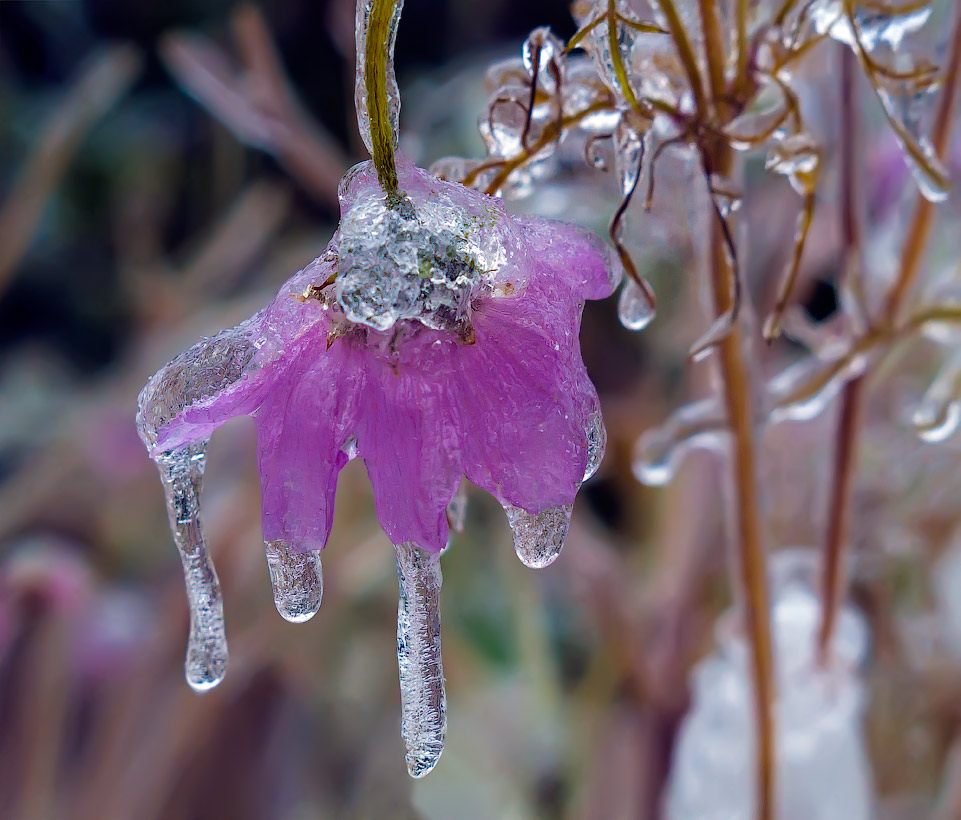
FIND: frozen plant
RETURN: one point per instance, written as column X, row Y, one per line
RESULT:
column 435, row 338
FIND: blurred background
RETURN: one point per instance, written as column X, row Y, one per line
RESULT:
column 164, row 167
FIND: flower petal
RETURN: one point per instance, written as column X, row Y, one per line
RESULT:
column 521, row 403
column 409, row 441
column 302, row 428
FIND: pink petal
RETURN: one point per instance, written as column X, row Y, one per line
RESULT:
column 409, row 442
column 302, row 428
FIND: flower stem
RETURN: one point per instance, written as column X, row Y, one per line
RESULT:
column 921, row 223
column 377, row 57
column 846, row 440
column 739, row 404
column 915, row 244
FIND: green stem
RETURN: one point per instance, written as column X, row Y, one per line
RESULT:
column 377, row 57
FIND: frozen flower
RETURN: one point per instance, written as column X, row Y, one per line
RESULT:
column 436, row 338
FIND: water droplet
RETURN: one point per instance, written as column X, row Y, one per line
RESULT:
column 538, row 539
column 297, row 580
column 457, row 510
column 629, row 136
column 181, row 472
column 634, row 309
column 548, row 47
column 938, row 416
column 798, row 158
column 350, row 448
column 804, row 390
column 660, row 451
column 909, row 109
column 423, row 699
column 725, row 194
column 596, row 443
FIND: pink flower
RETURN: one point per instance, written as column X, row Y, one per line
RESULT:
column 436, row 337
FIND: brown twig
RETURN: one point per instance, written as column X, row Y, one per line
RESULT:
column 257, row 103
column 738, row 401
column 848, row 429
column 107, row 77
column 846, row 449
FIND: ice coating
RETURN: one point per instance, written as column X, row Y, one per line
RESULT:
column 822, row 765
column 423, row 699
column 503, row 399
column 419, row 258
column 362, row 29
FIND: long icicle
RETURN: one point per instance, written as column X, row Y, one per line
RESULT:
column 423, row 699
column 182, row 472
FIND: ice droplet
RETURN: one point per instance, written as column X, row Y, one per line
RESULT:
column 362, row 27
column 423, row 699
column 634, row 309
column 660, row 451
column 804, row 390
column 547, row 47
column 908, row 108
column 538, row 539
column 938, row 416
column 596, row 442
column 457, row 510
column 181, row 472
column 297, row 580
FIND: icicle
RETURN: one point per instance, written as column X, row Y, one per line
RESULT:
column 906, row 108
column 362, row 26
column 538, row 539
column 821, row 382
column 457, row 510
column 423, row 700
column 938, row 417
column 181, row 472
column 633, row 307
column 297, row 579
column 596, row 442
column 659, row 452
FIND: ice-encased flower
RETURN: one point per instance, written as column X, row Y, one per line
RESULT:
column 436, row 337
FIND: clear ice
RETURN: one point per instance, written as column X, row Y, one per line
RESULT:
column 539, row 539
column 423, row 699
column 212, row 365
column 397, row 262
column 297, row 580
column 634, row 309
column 181, row 472
column 822, row 765
column 362, row 28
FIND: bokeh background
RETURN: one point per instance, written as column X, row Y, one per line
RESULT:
column 164, row 167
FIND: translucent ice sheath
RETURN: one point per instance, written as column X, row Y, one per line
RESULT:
column 423, row 700
column 376, row 96
column 182, row 472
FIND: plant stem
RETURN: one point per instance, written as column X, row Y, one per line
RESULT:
column 714, row 48
column 915, row 244
column 378, row 59
column 846, row 439
column 739, row 404
column 685, row 53
column 921, row 222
